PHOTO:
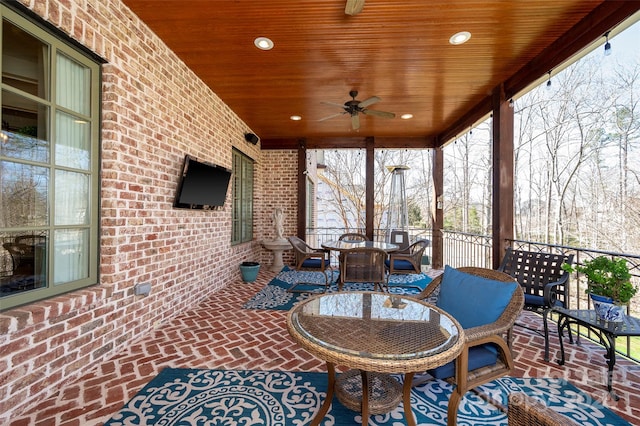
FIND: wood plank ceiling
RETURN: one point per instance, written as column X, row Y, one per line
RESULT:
column 396, row 50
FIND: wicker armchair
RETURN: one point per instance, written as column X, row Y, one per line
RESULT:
column 364, row 265
column 526, row 411
column 409, row 261
column 352, row 236
column 543, row 281
column 312, row 259
column 475, row 365
column 401, row 238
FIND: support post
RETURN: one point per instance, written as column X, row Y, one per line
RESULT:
column 503, row 170
column 302, row 192
column 370, row 193
column 437, row 210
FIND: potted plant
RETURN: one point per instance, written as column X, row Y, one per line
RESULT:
column 249, row 271
column 609, row 285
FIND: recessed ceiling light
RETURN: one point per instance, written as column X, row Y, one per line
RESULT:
column 406, row 116
column 459, row 38
column 295, row 118
column 263, row 43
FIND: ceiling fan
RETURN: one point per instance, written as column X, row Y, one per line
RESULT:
column 353, row 7
column 354, row 107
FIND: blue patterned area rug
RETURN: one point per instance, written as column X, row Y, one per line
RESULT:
column 219, row 397
column 275, row 295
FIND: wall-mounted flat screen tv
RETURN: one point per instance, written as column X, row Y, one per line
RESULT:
column 202, row 185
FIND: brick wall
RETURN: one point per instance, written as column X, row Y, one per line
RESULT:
column 280, row 177
column 155, row 111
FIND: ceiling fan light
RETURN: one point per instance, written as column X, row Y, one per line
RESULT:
column 263, row 43
column 353, row 7
column 460, row 38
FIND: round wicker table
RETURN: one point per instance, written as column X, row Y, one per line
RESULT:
column 376, row 334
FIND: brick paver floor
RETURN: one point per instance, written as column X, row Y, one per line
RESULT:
column 219, row 334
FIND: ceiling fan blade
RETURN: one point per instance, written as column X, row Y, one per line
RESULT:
column 355, row 122
column 332, row 116
column 383, row 114
column 333, row 104
column 353, row 7
column 370, row 101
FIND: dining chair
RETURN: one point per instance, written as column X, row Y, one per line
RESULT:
column 352, row 236
column 409, row 261
column 543, row 281
column 310, row 259
column 364, row 265
column 401, row 239
column 486, row 303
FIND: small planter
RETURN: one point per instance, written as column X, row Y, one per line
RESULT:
column 606, row 310
column 249, row 271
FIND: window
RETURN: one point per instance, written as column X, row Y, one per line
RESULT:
column 242, row 198
column 49, row 169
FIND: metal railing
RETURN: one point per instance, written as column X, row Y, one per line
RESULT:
column 317, row 236
column 468, row 249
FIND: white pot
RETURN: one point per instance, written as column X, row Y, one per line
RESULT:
column 606, row 310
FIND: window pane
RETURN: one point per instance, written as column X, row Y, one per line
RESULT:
column 23, row 262
column 242, row 210
column 25, row 127
column 23, row 61
column 247, row 200
column 72, row 198
column 49, row 171
column 24, row 195
column 73, row 141
column 73, row 86
column 70, row 255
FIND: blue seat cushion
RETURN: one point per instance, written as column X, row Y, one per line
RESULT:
column 473, row 300
column 479, row 356
column 313, row 263
column 533, row 300
column 400, row 264
column 537, row 301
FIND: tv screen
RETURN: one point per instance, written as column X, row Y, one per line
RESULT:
column 202, row 185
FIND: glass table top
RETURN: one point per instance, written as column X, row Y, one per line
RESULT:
column 374, row 325
column 351, row 244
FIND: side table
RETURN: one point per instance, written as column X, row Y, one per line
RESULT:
column 606, row 331
column 374, row 335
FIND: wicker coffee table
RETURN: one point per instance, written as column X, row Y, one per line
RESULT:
column 375, row 335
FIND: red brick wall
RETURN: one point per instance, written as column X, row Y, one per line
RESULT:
column 155, row 111
column 280, row 190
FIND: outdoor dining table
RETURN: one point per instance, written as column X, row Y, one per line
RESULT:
column 375, row 335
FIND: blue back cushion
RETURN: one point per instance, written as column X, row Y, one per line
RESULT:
column 473, row 300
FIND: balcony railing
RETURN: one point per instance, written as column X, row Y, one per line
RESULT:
column 467, row 249
column 317, row 236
